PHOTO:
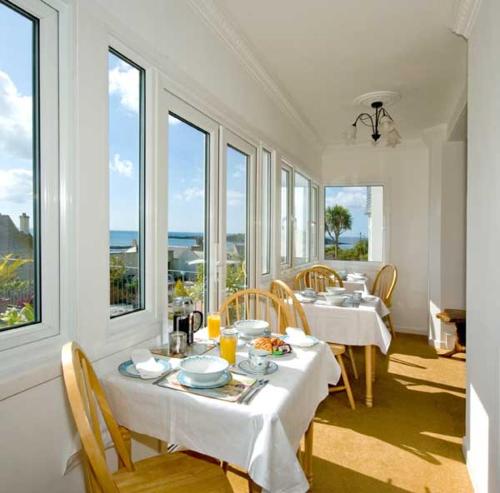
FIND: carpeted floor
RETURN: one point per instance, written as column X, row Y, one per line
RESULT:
column 410, row 441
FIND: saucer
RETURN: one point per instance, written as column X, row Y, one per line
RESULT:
column 183, row 379
column 127, row 369
column 308, row 341
column 245, row 366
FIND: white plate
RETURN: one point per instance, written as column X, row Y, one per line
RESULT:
column 128, row 369
column 369, row 297
column 183, row 379
column 311, row 341
column 245, row 366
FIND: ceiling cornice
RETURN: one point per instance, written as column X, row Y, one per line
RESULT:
column 465, row 16
column 218, row 21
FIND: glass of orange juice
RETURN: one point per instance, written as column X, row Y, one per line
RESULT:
column 227, row 345
column 213, row 324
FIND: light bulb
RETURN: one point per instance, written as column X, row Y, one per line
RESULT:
column 386, row 125
column 351, row 133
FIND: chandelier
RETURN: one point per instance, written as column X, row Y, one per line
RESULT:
column 381, row 122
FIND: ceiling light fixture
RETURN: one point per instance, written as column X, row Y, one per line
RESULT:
column 381, row 122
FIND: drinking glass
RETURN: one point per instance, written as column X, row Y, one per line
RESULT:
column 213, row 325
column 178, row 343
column 228, row 342
column 356, row 298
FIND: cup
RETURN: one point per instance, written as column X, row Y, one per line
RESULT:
column 357, row 296
column 213, row 325
column 258, row 360
column 227, row 345
column 178, row 343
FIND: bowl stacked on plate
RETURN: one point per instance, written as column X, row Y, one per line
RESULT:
column 204, row 371
column 335, row 295
column 251, row 328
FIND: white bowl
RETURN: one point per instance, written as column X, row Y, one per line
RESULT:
column 334, row 299
column 251, row 327
column 203, row 369
column 335, row 290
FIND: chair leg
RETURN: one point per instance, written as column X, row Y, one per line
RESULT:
column 391, row 327
column 223, row 465
column 345, row 378
column 353, row 362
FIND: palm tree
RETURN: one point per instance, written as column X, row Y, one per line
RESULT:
column 338, row 220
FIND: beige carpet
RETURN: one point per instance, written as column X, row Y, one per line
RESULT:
column 410, row 441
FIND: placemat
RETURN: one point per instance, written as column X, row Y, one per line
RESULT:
column 235, row 390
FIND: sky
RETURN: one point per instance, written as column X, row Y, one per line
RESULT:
column 16, row 106
column 354, row 199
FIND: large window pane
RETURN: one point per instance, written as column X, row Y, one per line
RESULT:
column 301, row 212
column 266, row 212
column 126, row 185
column 285, row 216
column 187, row 206
column 354, row 218
column 19, row 170
column 237, row 219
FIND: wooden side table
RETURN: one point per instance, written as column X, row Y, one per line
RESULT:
column 456, row 317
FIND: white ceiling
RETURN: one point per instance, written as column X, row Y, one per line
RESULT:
column 324, row 53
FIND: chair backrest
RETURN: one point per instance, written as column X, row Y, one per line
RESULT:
column 317, row 277
column 88, row 401
column 257, row 304
column 296, row 314
column 385, row 282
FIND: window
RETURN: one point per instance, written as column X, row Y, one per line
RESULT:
column 285, row 215
column 188, row 161
column 301, row 201
column 354, row 221
column 266, row 198
column 126, row 185
column 20, row 302
column 237, row 212
column 314, row 222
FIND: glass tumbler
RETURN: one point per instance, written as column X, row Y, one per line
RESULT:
column 228, row 343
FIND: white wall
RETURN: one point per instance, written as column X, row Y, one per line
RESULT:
column 404, row 172
column 483, row 238
column 36, row 432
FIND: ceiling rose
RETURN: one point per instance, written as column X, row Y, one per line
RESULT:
column 388, row 98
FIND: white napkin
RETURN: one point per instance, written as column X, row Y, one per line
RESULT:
column 145, row 364
column 297, row 337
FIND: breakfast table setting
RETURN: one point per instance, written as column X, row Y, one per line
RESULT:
column 247, row 399
column 349, row 318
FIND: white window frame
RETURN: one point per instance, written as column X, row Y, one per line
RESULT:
column 288, row 262
column 49, row 177
column 270, row 226
column 149, row 317
column 314, row 238
column 229, row 138
column 346, row 264
column 307, row 259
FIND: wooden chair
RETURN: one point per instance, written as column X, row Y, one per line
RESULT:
column 182, row 471
column 383, row 287
column 298, row 318
column 317, row 277
column 255, row 304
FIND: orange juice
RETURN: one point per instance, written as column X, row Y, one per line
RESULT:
column 228, row 343
column 213, row 323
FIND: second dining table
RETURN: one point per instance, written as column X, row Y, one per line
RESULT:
column 262, row 437
column 352, row 326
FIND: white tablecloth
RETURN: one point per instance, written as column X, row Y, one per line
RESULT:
column 351, row 326
column 352, row 286
column 262, row 437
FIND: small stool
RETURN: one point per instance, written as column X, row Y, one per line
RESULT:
column 456, row 317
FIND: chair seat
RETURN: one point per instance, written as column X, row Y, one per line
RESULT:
column 337, row 348
column 179, row 472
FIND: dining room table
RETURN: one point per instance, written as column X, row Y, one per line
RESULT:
column 350, row 325
column 262, row 437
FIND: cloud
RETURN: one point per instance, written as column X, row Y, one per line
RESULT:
column 190, row 193
column 16, row 185
column 123, row 167
column 350, row 197
column 124, row 83
column 235, row 198
column 15, row 120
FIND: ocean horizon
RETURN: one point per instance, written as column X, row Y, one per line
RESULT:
column 122, row 239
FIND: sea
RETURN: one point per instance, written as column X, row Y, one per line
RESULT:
column 123, row 239
column 346, row 242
